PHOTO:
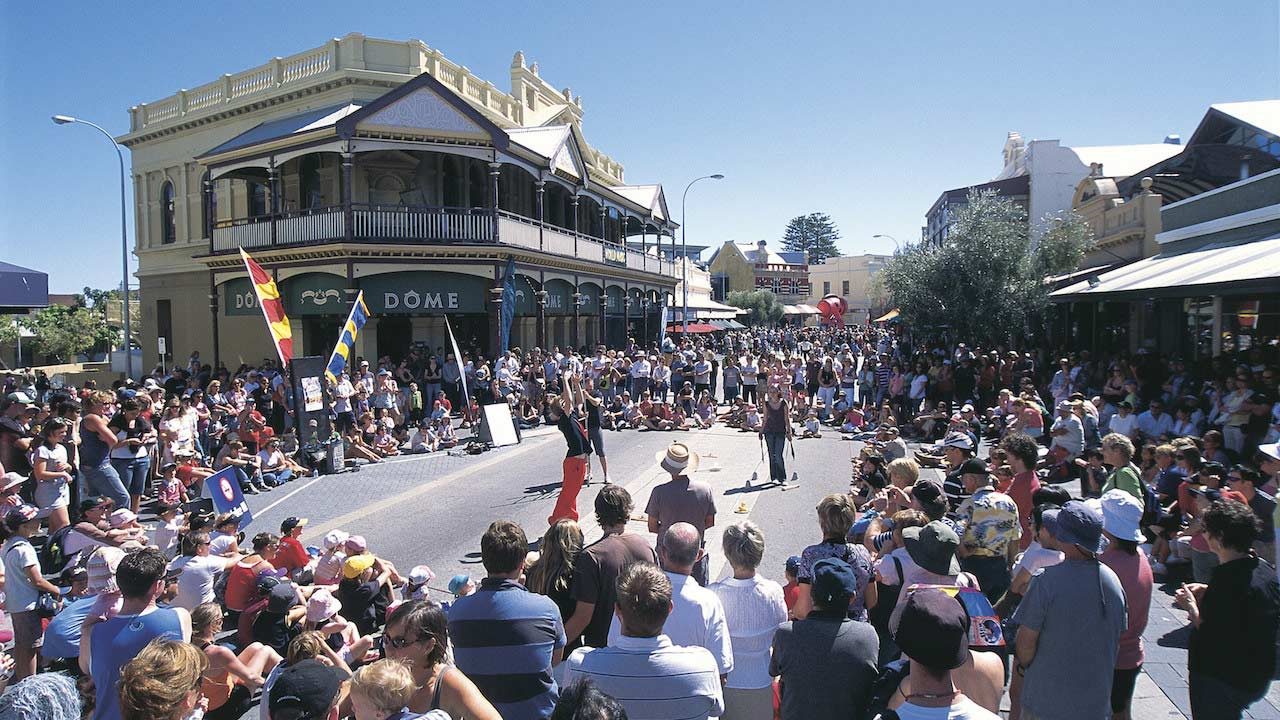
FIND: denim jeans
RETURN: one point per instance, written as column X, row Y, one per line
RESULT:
column 776, row 442
column 132, row 473
column 1214, row 699
column 277, row 478
column 105, row 481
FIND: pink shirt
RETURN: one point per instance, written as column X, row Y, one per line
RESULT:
column 1135, row 577
column 1023, row 486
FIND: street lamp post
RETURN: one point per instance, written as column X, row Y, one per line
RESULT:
column 896, row 246
column 684, row 248
column 124, row 241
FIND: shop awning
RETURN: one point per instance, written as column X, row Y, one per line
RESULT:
column 1215, row 269
column 22, row 289
column 799, row 310
column 694, row 328
column 735, row 325
column 891, row 315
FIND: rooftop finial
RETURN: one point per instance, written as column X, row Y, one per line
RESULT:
column 518, row 59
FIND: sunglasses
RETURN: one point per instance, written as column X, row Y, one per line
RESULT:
column 403, row 642
column 1234, row 478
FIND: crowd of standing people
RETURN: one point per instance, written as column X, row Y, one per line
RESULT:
column 943, row 577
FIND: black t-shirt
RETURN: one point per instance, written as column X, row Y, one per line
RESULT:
column 135, row 429
column 364, row 604
column 269, row 629
column 593, row 415
column 595, row 579
column 1235, row 642
column 574, row 436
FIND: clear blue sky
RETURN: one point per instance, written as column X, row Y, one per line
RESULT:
column 866, row 111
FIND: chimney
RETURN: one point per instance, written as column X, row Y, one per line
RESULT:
column 1172, row 139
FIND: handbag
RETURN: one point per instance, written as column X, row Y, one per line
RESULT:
column 47, row 604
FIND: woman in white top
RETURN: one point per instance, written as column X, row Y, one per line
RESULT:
column 753, row 608
column 176, row 432
column 197, row 571
column 52, row 473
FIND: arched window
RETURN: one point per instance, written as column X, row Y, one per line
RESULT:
column 168, row 222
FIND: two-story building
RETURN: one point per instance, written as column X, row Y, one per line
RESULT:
column 382, row 166
column 849, row 277
column 744, row 267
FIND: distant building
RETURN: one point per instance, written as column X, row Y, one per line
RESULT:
column 742, row 266
column 1043, row 177
column 1208, row 280
column 848, row 276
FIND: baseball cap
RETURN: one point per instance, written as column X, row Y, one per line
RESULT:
column 933, row 630
column 290, row 523
column 168, row 466
column 927, row 492
column 356, row 545
column 20, row 515
column 833, row 582
column 793, row 564
column 19, row 397
column 973, row 466
column 1271, row 450
column 958, row 440
column 308, row 689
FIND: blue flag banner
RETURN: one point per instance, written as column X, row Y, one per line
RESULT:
column 508, row 308
column 343, row 350
column 224, row 489
column 662, row 332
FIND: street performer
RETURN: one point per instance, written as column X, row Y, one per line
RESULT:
column 776, row 431
column 577, row 461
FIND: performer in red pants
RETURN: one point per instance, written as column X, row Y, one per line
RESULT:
column 577, row 459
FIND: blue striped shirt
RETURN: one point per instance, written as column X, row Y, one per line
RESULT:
column 503, row 637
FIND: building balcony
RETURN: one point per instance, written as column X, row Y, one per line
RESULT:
column 367, row 223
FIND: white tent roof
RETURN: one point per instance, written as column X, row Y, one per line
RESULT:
column 1212, row 265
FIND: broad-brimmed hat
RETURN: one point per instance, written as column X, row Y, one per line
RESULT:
column 121, row 517
column 11, row 480
column 102, row 569
column 677, row 458
column 1122, row 515
column 356, row 545
column 933, row 547
column 322, row 605
column 334, row 539
column 1078, row 524
column 933, row 630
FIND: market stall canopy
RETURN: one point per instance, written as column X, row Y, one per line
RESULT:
column 22, row 289
column 1214, row 269
column 799, row 310
column 891, row 315
column 694, row 328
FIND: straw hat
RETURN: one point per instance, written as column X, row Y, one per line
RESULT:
column 677, row 458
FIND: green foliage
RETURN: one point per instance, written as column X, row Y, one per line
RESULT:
column 986, row 282
column 63, row 332
column 813, row 233
column 9, row 329
column 763, row 304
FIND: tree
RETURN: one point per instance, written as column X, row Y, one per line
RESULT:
column 986, row 282
column 763, row 304
column 813, row 233
column 63, row 332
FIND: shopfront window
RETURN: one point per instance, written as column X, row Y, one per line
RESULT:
column 1199, row 338
column 1250, row 322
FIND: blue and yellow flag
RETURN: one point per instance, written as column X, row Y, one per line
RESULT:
column 347, row 339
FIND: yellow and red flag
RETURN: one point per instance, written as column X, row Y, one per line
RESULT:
column 272, row 307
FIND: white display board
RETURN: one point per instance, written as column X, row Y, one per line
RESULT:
column 497, row 420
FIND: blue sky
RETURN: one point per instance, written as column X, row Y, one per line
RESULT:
column 866, row 111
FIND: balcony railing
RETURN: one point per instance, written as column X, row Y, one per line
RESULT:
column 446, row 225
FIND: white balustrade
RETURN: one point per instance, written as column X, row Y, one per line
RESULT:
column 423, row 225
column 558, row 242
column 512, row 231
column 310, row 227
column 245, row 235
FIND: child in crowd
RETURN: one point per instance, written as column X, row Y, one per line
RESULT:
column 329, row 564
column 424, row 439
column 381, row 691
column 461, row 586
column 444, row 432
column 224, row 541
column 170, row 490
column 812, row 429
column 168, row 529
column 1095, row 474
column 124, row 523
column 791, row 591
column 341, row 635
column 384, row 443
column 415, row 402
column 751, row 420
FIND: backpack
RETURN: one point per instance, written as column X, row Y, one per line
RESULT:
column 885, row 686
column 1151, row 510
column 52, row 556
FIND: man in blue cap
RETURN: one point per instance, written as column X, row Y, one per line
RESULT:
column 1070, row 622
column 826, row 662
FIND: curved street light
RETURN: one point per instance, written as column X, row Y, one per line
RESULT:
column 124, row 240
column 896, row 246
column 684, row 248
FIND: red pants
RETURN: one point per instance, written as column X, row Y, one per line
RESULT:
column 575, row 473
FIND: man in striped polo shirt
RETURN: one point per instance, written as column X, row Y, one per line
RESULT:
column 505, row 638
column 643, row 670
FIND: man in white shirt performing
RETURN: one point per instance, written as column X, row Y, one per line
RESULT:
column 641, row 368
column 642, row 668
